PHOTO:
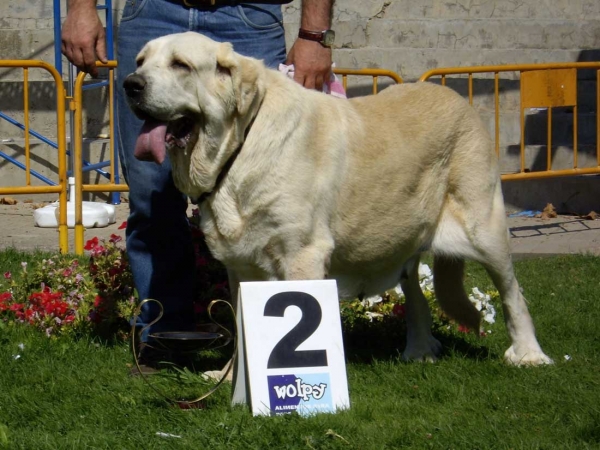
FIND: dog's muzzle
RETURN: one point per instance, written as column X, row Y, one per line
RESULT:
column 134, row 86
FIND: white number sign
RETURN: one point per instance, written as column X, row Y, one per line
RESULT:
column 290, row 349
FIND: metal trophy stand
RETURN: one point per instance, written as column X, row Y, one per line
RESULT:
column 186, row 343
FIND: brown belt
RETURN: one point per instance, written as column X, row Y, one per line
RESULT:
column 217, row 3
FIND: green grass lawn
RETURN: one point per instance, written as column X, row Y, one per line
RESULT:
column 65, row 394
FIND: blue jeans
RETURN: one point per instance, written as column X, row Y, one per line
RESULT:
column 159, row 242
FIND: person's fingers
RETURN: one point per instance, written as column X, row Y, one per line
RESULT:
column 299, row 78
column 319, row 82
column 101, row 51
column 89, row 59
column 101, row 47
column 309, row 82
column 75, row 56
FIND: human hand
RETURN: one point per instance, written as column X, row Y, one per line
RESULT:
column 312, row 63
column 83, row 37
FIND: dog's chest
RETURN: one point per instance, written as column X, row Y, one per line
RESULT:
column 242, row 247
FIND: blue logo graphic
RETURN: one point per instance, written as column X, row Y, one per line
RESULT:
column 305, row 394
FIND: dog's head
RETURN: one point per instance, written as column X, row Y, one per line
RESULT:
column 197, row 98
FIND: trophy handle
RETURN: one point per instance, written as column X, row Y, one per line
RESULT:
column 227, row 333
column 186, row 403
column 138, row 311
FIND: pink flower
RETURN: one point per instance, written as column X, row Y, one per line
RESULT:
column 7, row 275
column 114, row 238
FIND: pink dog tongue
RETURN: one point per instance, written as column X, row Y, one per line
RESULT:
column 150, row 144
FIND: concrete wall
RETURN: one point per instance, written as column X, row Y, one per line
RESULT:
column 406, row 36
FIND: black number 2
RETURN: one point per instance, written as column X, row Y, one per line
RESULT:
column 285, row 355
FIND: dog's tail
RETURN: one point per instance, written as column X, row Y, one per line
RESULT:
column 450, row 291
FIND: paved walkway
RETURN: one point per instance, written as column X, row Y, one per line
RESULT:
column 529, row 237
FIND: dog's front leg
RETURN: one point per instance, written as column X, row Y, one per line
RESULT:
column 308, row 263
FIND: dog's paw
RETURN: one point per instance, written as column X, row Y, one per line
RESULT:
column 424, row 351
column 526, row 357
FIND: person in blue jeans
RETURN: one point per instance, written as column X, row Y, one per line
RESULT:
column 159, row 242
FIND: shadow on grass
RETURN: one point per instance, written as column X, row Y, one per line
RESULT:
column 457, row 346
column 376, row 344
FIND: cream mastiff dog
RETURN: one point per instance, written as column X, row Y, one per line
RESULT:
column 296, row 184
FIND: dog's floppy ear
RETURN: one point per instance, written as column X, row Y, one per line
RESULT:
column 244, row 73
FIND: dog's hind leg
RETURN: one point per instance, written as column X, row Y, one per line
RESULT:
column 525, row 349
column 450, row 291
column 483, row 237
column 420, row 343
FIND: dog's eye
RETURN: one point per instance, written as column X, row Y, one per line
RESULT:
column 139, row 62
column 178, row 64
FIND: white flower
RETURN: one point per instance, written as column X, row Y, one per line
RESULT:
column 370, row 301
column 482, row 303
column 424, row 271
column 398, row 290
column 567, row 358
column 490, row 314
column 16, row 357
column 21, row 346
column 425, row 277
column 372, row 315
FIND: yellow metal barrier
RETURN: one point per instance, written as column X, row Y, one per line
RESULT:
column 61, row 187
column 80, row 188
column 541, row 86
column 374, row 73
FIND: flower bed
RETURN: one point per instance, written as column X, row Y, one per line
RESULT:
column 62, row 295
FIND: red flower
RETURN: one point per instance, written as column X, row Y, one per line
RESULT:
column 67, row 272
column 114, row 238
column 16, row 307
column 123, row 225
column 5, row 297
column 463, row 328
column 29, row 316
column 7, row 275
column 97, row 301
column 91, row 244
column 399, row 310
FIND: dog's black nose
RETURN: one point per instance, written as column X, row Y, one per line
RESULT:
column 134, row 85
